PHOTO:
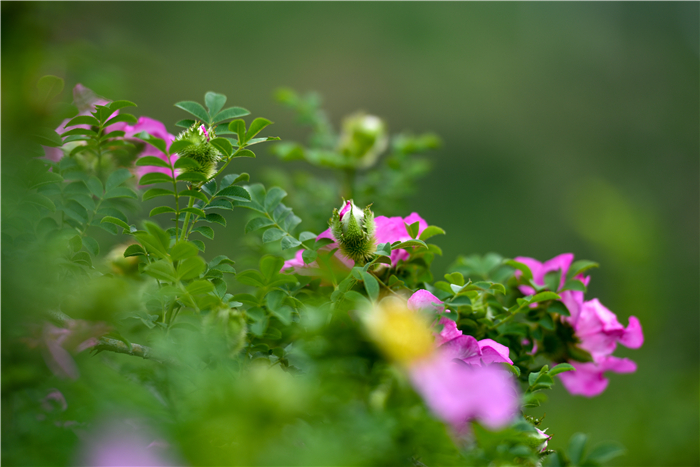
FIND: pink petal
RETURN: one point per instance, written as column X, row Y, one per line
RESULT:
column 449, row 331
column 633, row 336
column 588, row 379
column 461, row 347
column 424, row 300
column 494, row 352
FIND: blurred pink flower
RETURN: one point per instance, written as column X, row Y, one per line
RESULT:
column 562, row 262
column 451, row 341
column 388, row 229
column 458, row 393
column 588, row 379
column 158, row 130
column 57, row 344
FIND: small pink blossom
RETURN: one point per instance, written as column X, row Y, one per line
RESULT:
column 588, row 379
column 458, row 393
column 388, row 229
column 451, row 341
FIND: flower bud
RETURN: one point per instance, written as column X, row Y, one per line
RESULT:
column 363, row 139
column 201, row 150
column 353, row 229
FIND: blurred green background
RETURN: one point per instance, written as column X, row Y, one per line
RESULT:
column 566, row 127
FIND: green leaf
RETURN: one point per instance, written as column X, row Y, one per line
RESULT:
column 114, row 220
column 544, row 296
column 284, row 314
column 186, row 123
column 580, row 266
column 526, row 273
column 79, row 132
column 127, row 118
column 196, row 211
column 116, row 105
column 46, row 178
column 186, row 163
column 121, row 192
column 561, row 368
column 47, row 137
column 134, row 250
column 558, row 307
column 223, row 145
column 199, row 287
column 552, row 280
column 191, row 268
column 151, row 161
column 234, row 192
column 153, row 141
column 244, row 153
column 205, row 230
column 182, row 250
column 270, row 265
column 231, row 112
column 272, row 234
column 91, row 245
column 574, row 284
column 289, row 242
column 256, row 127
column 304, row 236
column 199, row 244
column 156, row 192
column 214, row 102
column 274, row 197
column 604, row 452
column 83, row 258
column 40, row 200
column 116, row 178
column 95, row 186
column 195, row 109
column 257, row 223
column 577, row 444
column 407, row 243
column 160, row 210
column 161, row 270
column 214, row 217
column 49, row 86
column 309, row 256
column 75, row 243
column 178, row 146
column 194, row 177
column 238, row 127
column 371, row 285
column 251, row 277
column 83, row 120
column 431, row 231
column 412, row 229
column 194, row 194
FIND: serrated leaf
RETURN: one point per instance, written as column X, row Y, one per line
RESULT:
column 151, row 161
column 244, row 153
column 156, row 192
column 231, row 112
column 257, row 223
column 186, row 163
column 214, row 217
column 195, row 109
column 195, row 211
column 272, row 234
column 273, row 197
column 160, row 210
column 431, row 231
column 185, row 123
column 214, row 102
column 194, row 194
column 182, row 250
column 234, row 192
column 134, row 250
column 116, row 178
column 205, row 230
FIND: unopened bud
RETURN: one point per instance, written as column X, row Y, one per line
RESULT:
column 363, row 139
column 353, row 229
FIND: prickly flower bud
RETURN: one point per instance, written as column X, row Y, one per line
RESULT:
column 201, row 150
column 363, row 139
column 353, row 229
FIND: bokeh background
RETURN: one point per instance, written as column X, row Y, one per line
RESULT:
column 566, row 127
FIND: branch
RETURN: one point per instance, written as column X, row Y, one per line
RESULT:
column 114, row 345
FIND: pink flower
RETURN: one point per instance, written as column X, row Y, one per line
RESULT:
column 388, row 229
column 588, row 379
column 458, row 393
column 451, row 341
column 544, row 437
column 57, row 344
column 158, row 130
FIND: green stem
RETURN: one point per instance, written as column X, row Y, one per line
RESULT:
column 225, row 165
column 177, row 200
column 187, row 220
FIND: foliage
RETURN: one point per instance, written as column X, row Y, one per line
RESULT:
column 281, row 364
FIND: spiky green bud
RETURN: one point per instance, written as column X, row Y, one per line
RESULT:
column 201, row 150
column 353, row 229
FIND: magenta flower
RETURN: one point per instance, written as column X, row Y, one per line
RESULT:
column 158, row 130
column 388, row 229
column 458, row 393
column 57, row 344
column 451, row 341
column 596, row 327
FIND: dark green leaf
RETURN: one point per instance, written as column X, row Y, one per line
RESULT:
column 544, row 296
column 116, row 105
column 151, row 161
column 40, row 200
column 205, row 230
column 195, row 177
column 152, row 140
column 552, row 280
column 134, row 250
column 199, row 244
column 235, row 192
column 120, row 192
column 256, row 127
column 231, row 112
column 116, row 178
column 195, row 109
column 155, row 192
column 196, row 211
column 186, row 123
column 160, row 210
column 407, row 243
column 273, row 198
column 47, row 137
column 577, row 444
column 304, row 236
column 127, row 118
column 186, row 163
column 195, row 194
column 223, row 145
column 230, row 179
column 558, row 307
column 522, row 267
column 257, row 223
column 289, row 242
column 574, row 284
column 214, row 102
column 580, row 266
column 83, row 120
column 214, row 217
column 244, row 153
